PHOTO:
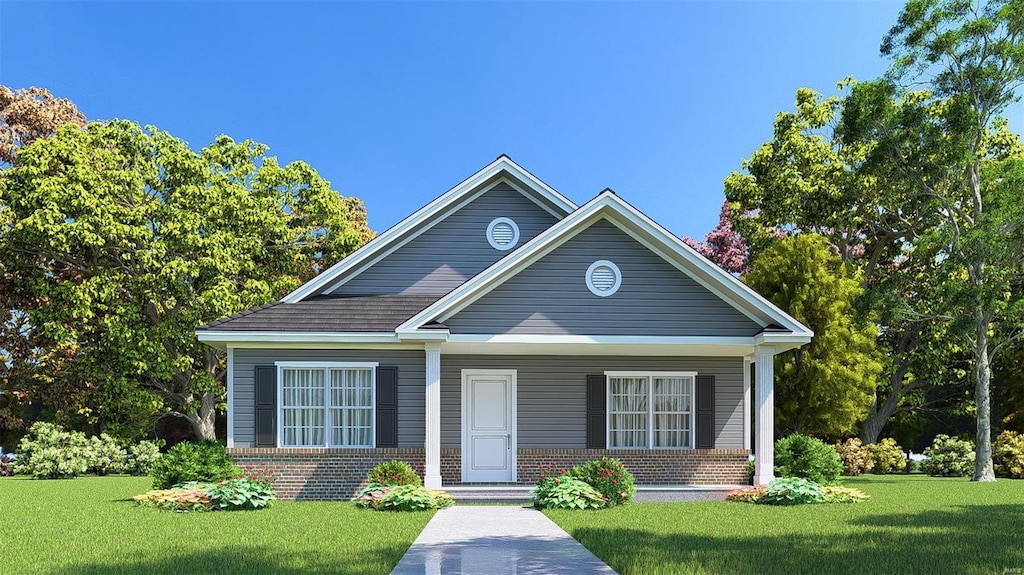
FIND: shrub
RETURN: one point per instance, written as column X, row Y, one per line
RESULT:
column 401, row 498
column 1008, row 455
column 49, row 452
column 178, row 499
column 204, row 462
column 913, row 466
column 856, row 459
column 6, row 466
column 800, row 456
column 888, row 456
column 393, row 472
column 106, row 456
column 142, row 456
column 235, row 494
column 751, row 468
column 949, row 457
column 839, row 494
column 567, row 492
column 609, row 477
column 792, row 491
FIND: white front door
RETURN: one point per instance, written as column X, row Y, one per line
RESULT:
column 488, row 425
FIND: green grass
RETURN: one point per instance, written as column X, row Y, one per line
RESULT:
column 912, row 524
column 90, row 526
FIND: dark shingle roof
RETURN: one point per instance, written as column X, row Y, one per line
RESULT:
column 378, row 313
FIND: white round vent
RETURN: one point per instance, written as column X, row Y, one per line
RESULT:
column 502, row 234
column 603, row 278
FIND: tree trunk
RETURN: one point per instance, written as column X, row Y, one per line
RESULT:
column 983, row 374
column 878, row 416
column 203, row 419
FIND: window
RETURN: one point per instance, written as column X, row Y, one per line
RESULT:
column 603, row 278
column 502, row 234
column 650, row 410
column 326, row 405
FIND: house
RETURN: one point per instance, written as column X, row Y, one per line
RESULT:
column 502, row 327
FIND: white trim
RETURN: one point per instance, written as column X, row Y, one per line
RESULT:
column 427, row 213
column 513, row 408
column 432, row 416
column 747, row 362
column 650, row 375
column 294, row 336
column 515, row 233
column 590, row 278
column 600, row 339
column 230, row 384
column 629, row 373
column 326, row 366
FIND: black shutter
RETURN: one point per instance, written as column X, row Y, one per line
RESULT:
column 597, row 400
column 705, row 412
column 387, row 407
column 266, row 406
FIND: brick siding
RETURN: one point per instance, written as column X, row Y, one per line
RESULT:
column 339, row 473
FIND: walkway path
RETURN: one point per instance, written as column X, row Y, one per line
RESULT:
column 486, row 540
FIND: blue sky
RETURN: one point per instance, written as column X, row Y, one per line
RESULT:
column 396, row 102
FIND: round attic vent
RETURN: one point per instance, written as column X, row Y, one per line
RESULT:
column 603, row 278
column 502, row 234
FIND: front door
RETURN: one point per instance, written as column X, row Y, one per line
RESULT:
column 488, row 425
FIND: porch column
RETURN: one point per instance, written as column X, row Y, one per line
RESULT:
column 746, row 400
column 764, row 435
column 432, row 439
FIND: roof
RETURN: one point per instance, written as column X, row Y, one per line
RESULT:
column 354, row 314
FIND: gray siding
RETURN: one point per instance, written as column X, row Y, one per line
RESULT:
column 551, row 296
column 411, row 378
column 453, row 250
column 552, row 394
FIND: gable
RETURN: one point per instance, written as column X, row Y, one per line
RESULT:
column 451, row 250
column 551, row 297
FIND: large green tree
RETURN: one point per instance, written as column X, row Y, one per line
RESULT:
column 823, row 388
column 124, row 241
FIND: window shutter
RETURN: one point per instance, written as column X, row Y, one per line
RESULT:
column 266, row 406
column 387, row 407
column 705, row 412
column 597, row 419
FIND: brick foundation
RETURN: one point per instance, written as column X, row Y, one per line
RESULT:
column 339, row 473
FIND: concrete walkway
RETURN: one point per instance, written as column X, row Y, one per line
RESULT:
column 491, row 540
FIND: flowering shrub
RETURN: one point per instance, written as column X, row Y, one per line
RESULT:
column 887, row 456
column 393, row 472
column 609, row 477
column 142, row 456
column 401, row 498
column 949, row 457
column 1008, row 455
column 177, row 499
column 856, row 459
column 49, row 452
column 797, row 455
column 839, row 494
column 105, row 456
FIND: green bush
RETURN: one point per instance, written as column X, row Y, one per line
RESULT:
column 792, row 491
column 142, row 456
column 887, row 456
column 1008, row 455
column 106, row 456
column 609, row 477
column 949, row 457
column 800, row 456
column 856, row 459
column 401, row 498
column 204, row 462
column 393, row 472
column 235, row 494
column 565, row 492
column 49, row 452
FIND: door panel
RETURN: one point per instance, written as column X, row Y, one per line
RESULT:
column 488, row 426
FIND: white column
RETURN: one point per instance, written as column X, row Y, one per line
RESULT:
column 432, row 441
column 746, row 400
column 764, row 435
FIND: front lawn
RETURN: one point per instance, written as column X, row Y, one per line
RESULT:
column 913, row 524
column 90, row 526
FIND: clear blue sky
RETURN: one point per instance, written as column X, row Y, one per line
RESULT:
column 396, row 102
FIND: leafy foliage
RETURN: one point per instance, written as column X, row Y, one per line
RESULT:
column 142, row 456
column 791, row 491
column 751, row 494
column 393, row 472
column 178, row 499
column 948, row 457
column 235, row 494
column 825, row 387
column 106, row 456
column 1008, row 454
column 724, row 245
column 805, row 457
column 49, row 452
column 6, row 465
column 609, row 477
column 401, row 498
column 203, row 461
column 840, row 494
column 566, row 492
column 888, row 457
column 28, row 114
column 856, row 459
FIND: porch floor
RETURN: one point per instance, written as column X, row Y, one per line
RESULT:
column 510, row 493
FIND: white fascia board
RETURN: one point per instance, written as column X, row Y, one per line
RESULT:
column 599, row 339
column 503, row 163
column 239, row 337
column 568, row 348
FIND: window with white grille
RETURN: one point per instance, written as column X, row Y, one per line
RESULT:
column 603, row 278
column 326, row 405
column 502, row 234
column 650, row 410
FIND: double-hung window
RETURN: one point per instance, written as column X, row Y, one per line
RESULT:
column 650, row 410
column 326, row 404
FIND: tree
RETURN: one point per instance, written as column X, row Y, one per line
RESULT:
column 823, row 388
column 125, row 241
column 971, row 56
column 724, row 245
column 29, row 114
